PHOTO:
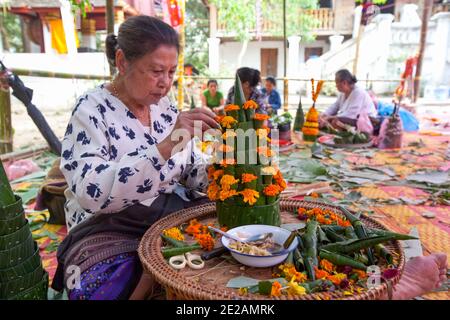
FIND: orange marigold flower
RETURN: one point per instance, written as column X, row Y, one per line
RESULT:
column 228, row 180
column 337, row 278
column 250, row 104
column 326, row 265
column 301, row 211
column 217, row 174
column 205, row 240
column 211, row 172
column 229, row 134
column 361, row 274
column 314, row 195
column 225, row 148
column 248, row 177
column 193, row 228
column 225, row 194
column 227, row 161
column 231, row 107
column 213, row 191
column 276, row 289
column 250, row 196
column 266, row 128
column 272, row 190
column 320, row 274
column 227, row 122
column 219, row 118
column 262, row 133
column 291, row 274
column 261, row 117
column 264, row 151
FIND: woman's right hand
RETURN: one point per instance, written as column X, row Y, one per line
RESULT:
column 189, row 124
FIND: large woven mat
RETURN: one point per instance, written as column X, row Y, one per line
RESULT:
column 210, row 282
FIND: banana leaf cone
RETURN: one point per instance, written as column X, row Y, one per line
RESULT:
column 299, row 117
column 261, row 201
column 249, row 114
column 235, row 215
column 6, row 194
column 271, row 199
column 233, row 113
column 239, row 99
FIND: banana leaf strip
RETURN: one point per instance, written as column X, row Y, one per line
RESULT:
column 310, row 241
column 396, row 236
column 333, row 236
column 383, row 252
column 341, row 260
column 351, row 246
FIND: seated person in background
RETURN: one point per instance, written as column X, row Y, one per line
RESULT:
column 352, row 102
column 250, row 79
column 271, row 95
column 212, row 98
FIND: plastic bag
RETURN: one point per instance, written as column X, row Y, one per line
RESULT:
column 391, row 133
column 20, row 168
column 363, row 124
column 409, row 121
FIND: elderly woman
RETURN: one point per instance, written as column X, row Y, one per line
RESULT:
column 250, row 79
column 352, row 102
column 123, row 168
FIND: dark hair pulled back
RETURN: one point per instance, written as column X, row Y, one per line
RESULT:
column 345, row 75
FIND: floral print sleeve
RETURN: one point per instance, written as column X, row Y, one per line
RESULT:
column 110, row 161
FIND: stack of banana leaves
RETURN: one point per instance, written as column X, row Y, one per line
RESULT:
column 347, row 134
column 354, row 247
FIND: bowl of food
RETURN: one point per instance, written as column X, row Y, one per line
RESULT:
column 260, row 254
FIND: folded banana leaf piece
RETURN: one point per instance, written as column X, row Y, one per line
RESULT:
column 351, row 246
column 341, row 260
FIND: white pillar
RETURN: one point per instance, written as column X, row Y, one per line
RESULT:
column 357, row 21
column 214, row 61
column 47, row 39
column 441, row 49
column 293, row 56
column 88, row 34
column 335, row 41
column 381, row 49
column 69, row 26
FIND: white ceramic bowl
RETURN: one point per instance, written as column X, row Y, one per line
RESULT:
column 279, row 236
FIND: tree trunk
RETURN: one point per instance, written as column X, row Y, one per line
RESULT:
column 242, row 53
column 4, row 35
column 423, row 38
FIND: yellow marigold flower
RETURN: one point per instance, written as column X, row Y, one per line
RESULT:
column 250, row 196
column 272, row 190
column 270, row 171
column 217, row 174
column 262, row 133
column 213, row 191
column 229, row 134
column 225, row 194
column 243, row 291
column 290, row 273
column 295, row 288
column 276, row 289
column 261, row 117
column 227, row 122
column 248, row 177
column 250, row 104
column 231, row 107
column 326, row 265
column 174, row 233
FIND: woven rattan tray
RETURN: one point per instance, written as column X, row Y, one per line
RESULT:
column 210, row 283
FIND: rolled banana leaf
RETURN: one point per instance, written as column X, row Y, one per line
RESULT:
column 322, row 236
column 290, row 258
column 333, row 236
column 341, row 260
column 309, row 267
column 351, row 246
column 383, row 252
column 397, row 236
column 334, row 228
column 298, row 261
column 362, row 258
column 310, row 241
column 350, row 233
column 359, row 230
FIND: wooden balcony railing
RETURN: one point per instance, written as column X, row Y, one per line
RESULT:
column 324, row 17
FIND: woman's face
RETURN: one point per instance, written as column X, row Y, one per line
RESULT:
column 212, row 87
column 149, row 78
column 342, row 86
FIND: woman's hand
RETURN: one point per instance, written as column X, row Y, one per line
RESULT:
column 189, row 124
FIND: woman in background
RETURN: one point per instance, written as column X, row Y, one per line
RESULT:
column 212, row 98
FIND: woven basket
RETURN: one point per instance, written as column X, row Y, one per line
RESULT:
column 179, row 286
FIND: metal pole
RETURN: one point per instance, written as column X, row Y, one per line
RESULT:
column 285, row 80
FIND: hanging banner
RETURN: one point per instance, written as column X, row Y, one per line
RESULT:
column 175, row 15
